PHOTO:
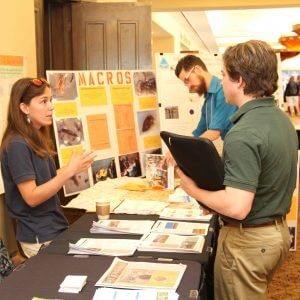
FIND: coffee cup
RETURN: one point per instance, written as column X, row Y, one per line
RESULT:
column 102, row 209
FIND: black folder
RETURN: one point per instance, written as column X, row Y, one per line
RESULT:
column 197, row 158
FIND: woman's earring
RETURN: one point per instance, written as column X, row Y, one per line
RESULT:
column 28, row 119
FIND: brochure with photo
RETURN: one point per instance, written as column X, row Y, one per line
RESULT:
column 158, row 174
column 160, row 242
column 142, row 275
column 185, row 214
column 181, row 228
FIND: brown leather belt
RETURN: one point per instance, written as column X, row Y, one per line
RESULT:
column 273, row 222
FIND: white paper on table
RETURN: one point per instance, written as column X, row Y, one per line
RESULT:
column 111, row 247
column 140, row 207
column 121, row 294
column 122, row 226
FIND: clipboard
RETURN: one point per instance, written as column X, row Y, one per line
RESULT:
column 197, row 158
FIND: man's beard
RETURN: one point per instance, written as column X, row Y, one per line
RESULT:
column 201, row 88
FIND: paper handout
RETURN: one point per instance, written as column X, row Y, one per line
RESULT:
column 122, row 226
column 112, row 247
column 160, row 242
column 142, row 275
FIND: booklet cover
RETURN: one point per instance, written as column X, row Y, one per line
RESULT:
column 158, row 174
column 160, row 242
column 142, row 275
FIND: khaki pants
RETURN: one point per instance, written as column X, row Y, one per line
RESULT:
column 32, row 249
column 247, row 259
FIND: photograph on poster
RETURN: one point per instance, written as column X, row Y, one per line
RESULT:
column 148, row 122
column 292, row 237
column 144, row 83
column 69, row 131
column 63, row 86
column 130, row 165
column 103, row 169
column 77, row 183
column 171, row 112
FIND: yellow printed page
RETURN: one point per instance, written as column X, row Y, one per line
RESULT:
column 121, row 94
column 152, row 142
column 148, row 102
column 92, row 96
column 65, row 109
column 66, row 153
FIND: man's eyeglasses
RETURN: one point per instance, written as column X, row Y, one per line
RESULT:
column 38, row 82
column 187, row 77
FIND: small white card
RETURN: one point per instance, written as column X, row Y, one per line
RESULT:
column 72, row 284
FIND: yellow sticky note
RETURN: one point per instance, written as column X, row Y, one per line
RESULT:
column 152, row 142
column 65, row 109
column 148, row 102
column 66, row 153
column 121, row 94
column 92, row 96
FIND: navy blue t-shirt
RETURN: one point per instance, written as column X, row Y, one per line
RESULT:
column 34, row 224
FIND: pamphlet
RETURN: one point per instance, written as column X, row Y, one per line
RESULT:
column 121, row 294
column 185, row 214
column 122, row 226
column 111, row 247
column 158, row 173
column 159, row 242
column 140, row 207
column 181, row 228
column 142, row 275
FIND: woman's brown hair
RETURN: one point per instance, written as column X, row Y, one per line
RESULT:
column 40, row 140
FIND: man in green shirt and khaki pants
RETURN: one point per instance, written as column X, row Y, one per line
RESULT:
column 260, row 161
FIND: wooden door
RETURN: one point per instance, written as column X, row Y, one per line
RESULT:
column 111, row 36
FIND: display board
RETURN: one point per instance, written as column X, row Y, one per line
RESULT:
column 11, row 69
column 114, row 113
column 179, row 110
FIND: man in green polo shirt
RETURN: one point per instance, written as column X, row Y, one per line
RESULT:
column 260, row 161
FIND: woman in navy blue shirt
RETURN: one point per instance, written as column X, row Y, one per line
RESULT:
column 30, row 178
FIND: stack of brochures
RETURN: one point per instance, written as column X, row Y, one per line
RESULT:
column 122, row 226
column 111, row 247
column 140, row 207
column 142, row 275
column 185, row 214
column 159, row 242
column 121, row 294
column 181, row 228
column 72, row 284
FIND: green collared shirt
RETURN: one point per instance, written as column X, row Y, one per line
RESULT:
column 260, row 156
